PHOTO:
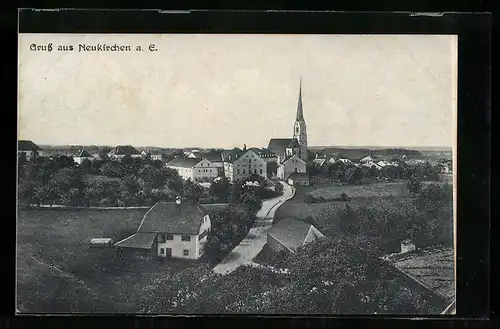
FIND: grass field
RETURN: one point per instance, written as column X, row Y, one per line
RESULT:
column 58, row 272
column 360, row 194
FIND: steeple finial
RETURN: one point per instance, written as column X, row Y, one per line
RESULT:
column 300, row 115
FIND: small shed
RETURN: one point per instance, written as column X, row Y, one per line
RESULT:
column 101, row 242
column 138, row 245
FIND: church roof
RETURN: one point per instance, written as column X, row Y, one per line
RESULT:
column 300, row 114
column 278, row 145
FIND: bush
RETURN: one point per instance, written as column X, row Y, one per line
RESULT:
column 309, row 199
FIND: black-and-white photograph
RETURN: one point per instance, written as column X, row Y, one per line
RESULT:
column 236, row 174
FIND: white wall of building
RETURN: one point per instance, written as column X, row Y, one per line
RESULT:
column 179, row 247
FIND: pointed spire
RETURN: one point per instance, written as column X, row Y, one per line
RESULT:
column 300, row 115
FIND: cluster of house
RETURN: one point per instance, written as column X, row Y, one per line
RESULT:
column 370, row 162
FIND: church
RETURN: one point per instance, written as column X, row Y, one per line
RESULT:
column 292, row 152
column 297, row 145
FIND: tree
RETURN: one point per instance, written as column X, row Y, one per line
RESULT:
column 272, row 169
column 250, row 201
column 220, row 189
column 192, row 191
column 414, row 185
column 112, row 169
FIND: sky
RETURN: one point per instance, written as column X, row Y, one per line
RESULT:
column 228, row 90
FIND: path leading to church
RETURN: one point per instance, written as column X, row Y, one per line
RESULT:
column 256, row 238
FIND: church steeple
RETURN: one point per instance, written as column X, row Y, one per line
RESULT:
column 299, row 127
column 300, row 114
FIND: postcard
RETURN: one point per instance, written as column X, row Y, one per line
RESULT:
column 236, row 174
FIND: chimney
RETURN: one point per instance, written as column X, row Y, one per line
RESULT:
column 407, row 246
column 244, row 147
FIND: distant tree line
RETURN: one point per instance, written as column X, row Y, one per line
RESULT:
column 129, row 182
column 351, row 174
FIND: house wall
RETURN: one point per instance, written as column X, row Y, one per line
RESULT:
column 185, row 172
column 292, row 165
column 274, row 244
column 28, row 154
column 155, row 157
column 249, row 163
column 205, row 227
column 205, row 170
column 178, row 246
column 79, row 160
column 120, row 156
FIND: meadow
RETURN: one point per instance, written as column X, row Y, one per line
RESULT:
column 58, row 272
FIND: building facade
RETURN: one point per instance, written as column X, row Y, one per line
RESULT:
column 29, row 149
column 169, row 230
column 194, row 169
column 246, row 164
column 290, row 165
column 82, row 155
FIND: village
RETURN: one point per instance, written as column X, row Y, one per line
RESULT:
column 266, row 213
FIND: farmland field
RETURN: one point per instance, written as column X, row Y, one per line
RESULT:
column 58, row 272
column 360, row 194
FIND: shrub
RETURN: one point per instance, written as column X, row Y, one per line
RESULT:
column 309, row 199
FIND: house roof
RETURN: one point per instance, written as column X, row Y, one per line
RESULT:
column 214, row 156
column 168, row 218
column 82, row 154
column 431, row 267
column 138, row 241
column 263, row 152
column 183, row 162
column 278, row 145
column 319, row 161
column 215, row 207
column 24, row 145
column 290, row 233
column 231, row 155
column 124, row 150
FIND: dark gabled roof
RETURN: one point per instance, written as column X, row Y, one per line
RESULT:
column 278, row 145
column 288, row 157
column 214, row 156
column 290, row 233
column 166, row 217
column 232, row 155
column 183, row 162
column 138, row 241
column 432, row 267
column 263, row 153
column 82, row 154
column 124, row 150
column 24, row 145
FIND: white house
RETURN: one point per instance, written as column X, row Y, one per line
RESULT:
column 170, row 229
column 366, row 159
column 331, row 160
column 194, row 169
column 28, row 148
column 156, row 156
column 238, row 166
column 289, row 165
column 82, row 155
column 122, row 150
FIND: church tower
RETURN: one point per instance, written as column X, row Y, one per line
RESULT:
column 299, row 128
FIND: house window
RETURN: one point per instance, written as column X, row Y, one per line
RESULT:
column 162, row 251
column 186, row 238
column 168, row 252
column 261, row 171
column 186, row 252
column 296, row 170
column 255, row 171
column 238, row 171
column 170, row 237
column 161, row 238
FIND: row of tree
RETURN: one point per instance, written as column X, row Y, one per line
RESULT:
column 333, row 276
column 131, row 182
column 348, row 172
